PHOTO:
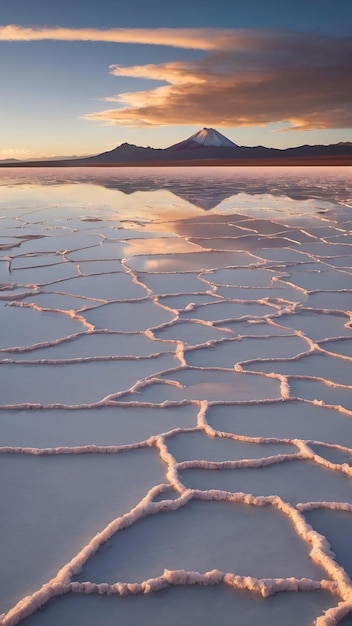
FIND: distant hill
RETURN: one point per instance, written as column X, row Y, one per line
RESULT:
column 126, row 153
column 207, row 147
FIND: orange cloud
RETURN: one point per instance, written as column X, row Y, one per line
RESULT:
column 173, row 72
column 192, row 38
column 286, row 77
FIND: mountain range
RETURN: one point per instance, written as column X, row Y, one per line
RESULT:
column 206, row 147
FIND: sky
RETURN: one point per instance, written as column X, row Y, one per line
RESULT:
column 78, row 77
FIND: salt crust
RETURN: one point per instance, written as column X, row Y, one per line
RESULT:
column 270, row 250
column 337, row 581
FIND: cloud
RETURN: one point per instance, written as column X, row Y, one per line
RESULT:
column 192, row 38
column 285, row 77
column 13, row 151
column 245, row 78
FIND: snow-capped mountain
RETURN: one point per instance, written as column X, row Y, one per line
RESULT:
column 205, row 138
column 207, row 147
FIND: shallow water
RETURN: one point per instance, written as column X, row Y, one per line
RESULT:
column 175, row 395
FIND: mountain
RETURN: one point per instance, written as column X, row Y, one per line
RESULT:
column 126, row 153
column 206, row 147
column 207, row 143
column 205, row 138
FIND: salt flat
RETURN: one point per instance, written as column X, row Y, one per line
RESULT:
column 176, row 396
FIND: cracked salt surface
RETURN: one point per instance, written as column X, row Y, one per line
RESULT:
column 176, row 396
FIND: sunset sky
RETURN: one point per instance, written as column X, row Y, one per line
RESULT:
column 80, row 77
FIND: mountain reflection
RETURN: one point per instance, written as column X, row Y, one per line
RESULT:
column 202, row 187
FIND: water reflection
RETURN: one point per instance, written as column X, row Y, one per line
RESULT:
column 202, row 187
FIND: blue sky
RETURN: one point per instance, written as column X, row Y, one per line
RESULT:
column 80, row 77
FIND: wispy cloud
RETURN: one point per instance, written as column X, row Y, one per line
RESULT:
column 13, row 152
column 245, row 78
column 192, row 38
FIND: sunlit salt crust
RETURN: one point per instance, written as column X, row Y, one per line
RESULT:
column 287, row 420
column 228, row 353
column 59, row 301
column 337, row 527
column 342, row 347
column 333, row 301
column 124, row 316
column 45, row 274
column 191, row 333
column 328, row 394
column 25, row 327
column 187, row 446
column 318, row 325
column 319, row 366
column 174, row 376
column 221, row 311
column 280, row 292
column 65, row 384
column 37, row 260
column 293, row 480
column 95, row 346
column 104, row 426
column 198, row 604
column 33, row 487
column 333, row 454
column 172, row 540
column 104, row 288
